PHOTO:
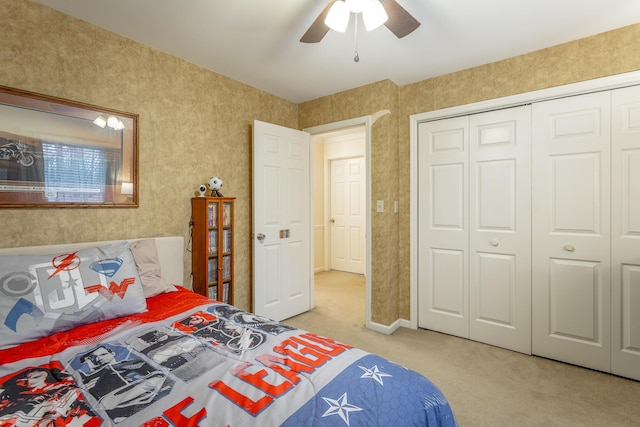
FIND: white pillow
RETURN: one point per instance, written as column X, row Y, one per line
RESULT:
column 145, row 255
column 43, row 294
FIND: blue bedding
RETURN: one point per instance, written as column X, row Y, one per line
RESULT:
column 190, row 361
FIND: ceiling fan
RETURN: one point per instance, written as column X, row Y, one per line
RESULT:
column 399, row 21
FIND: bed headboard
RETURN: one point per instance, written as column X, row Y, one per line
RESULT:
column 170, row 253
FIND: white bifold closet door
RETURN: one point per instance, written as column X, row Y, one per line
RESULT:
column 586, row 230
column 500, row 228
column 529, row 229
column 474, row 273
column 571, row 230
column 625, row 233
column 443, row 226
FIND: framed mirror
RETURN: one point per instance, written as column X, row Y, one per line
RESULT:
column 60, row 153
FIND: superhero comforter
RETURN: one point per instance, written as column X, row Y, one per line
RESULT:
column 190, row 361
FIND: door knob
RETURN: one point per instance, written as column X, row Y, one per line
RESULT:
column 261, row 236
column 569, row 248
column 332, row 220
column 494, row 242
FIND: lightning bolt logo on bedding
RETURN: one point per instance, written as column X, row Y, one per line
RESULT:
column 66, row 262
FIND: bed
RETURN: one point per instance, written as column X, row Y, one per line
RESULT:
column 101, row 334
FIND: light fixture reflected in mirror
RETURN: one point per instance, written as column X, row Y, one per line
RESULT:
column 100, row 121
column 112, row 121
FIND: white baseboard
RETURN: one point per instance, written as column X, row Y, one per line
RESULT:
column 389, row 329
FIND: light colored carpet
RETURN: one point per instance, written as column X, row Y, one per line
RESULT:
column 486, row 385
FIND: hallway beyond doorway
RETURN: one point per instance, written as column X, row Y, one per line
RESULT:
column 341, row 296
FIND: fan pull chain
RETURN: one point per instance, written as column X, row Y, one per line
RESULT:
column 356, row 58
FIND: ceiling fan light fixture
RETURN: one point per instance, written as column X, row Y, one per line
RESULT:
column 373, row 14
column 338, row 17
column 356, row 6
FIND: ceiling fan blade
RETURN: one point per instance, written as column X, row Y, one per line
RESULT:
column 400, row 22
column 318, row 29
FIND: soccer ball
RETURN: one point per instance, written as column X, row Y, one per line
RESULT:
column 215, row 184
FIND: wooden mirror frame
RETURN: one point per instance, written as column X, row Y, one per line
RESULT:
column 54, row 154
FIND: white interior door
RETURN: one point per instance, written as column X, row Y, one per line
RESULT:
column 625, row 233
column 500, row 228
column 571, row 230
column 281, row 224
column 347, row 217
column 443, row 235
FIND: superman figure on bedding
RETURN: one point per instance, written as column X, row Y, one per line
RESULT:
column 124, row 386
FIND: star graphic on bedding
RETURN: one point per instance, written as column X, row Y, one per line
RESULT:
column 374, row 373
column 340, row 407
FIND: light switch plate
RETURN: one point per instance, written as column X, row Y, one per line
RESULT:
column 380, row 206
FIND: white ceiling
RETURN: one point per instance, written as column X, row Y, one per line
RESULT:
column 257, row 41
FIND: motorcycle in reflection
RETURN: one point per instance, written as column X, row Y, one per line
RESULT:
column 16, row 150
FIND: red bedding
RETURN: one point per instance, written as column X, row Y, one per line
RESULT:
column 190, row 361
column 159, row 307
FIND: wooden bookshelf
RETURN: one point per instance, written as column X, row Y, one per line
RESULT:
column 212, row 243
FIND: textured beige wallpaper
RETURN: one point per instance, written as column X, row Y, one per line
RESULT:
column 359, row 102
column 193, row 124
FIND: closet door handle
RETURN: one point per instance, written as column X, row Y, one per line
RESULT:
column 494, row 242
column 569, row 248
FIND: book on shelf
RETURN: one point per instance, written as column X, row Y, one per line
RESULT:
column 212, row 209
column 213, row 270
column 225, row 293
column 226, row 240
column 226, row 214
column 226, row 267
column 213, row 292
column 213, row 242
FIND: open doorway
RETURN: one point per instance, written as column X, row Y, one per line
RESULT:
column 339, row 201
column 339, row 208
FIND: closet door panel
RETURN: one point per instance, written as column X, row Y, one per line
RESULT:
column 495, row 207
column 443, row 226
column 447, row 278
column 576, row 284
column 571, row 230
column 575, row 193
column 496, row 289
column 447, row 197
column 625, row 233
column 500, row 228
